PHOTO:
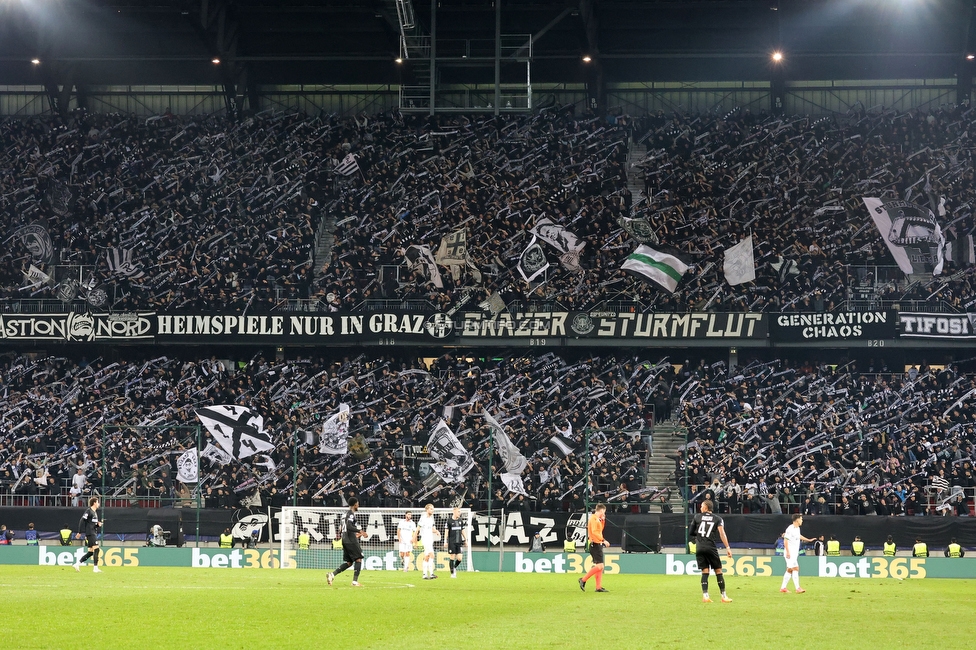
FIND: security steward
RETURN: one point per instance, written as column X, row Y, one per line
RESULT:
column 65, row 534
column 304, row 540
column 833, row 547
column 889, row 547
column 954, row 550
column 920, row 549
column 226, row 539
column 857, row 547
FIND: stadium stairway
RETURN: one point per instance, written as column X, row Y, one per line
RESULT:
column 324, row 238
column 666, row 440
column 634, row 182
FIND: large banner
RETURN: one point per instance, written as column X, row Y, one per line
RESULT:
column 832, row 326
column 78, row 327
column 381, row 328
column 618, row 325
column 956, row 327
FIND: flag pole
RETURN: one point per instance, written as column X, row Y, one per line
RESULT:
column 491, row 453
column 199, row 483
column 294, row 468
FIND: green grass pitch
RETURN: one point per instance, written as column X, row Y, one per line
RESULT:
column 223, row 608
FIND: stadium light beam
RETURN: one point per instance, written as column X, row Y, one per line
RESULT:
column 777, row 56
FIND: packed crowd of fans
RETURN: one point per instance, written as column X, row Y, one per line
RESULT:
column 767, row 437
column 62, row 421
column 218, row 215
column 820, row 439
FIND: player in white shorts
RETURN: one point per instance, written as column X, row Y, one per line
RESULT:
column 405, row 535
column 791, row 552
column 427, row 531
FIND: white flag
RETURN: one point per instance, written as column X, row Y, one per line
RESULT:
column 335, row 433
column 514, row 483
column 513, row 460
column 35, row 277
column 740, row 264
column 237, row 429
column 186, row 467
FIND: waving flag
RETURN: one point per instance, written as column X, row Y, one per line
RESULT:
column 655, row 266
column 740, row 263
column 239, row 430
column 335, row 433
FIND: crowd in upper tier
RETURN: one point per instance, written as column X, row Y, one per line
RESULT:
column 768, row 436
column 198, row 213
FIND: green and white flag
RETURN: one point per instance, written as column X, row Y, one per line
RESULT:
column 654, row 266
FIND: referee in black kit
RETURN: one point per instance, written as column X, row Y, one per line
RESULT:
column 455, row 538
column 89, row 525
column 352, row 553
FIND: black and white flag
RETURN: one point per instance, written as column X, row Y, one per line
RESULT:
column 560, row 444
column 67, row 289
column 533, row 262
column 120, row 262
column 186, row 467
column 37, row 240
column 237, row 429
column 493, row 304
column 785, row 267
column 959, row 249
column 639, row 229
column 34, row 277
column 335, row 433
column 216, row 455
column 567, row 243
column 348, row 166
column 452, row 460
column 419, row 258
column 912, row 234
column 58, row 196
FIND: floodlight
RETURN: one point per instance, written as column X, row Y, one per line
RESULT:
column 36, row 61
column 587, row 58
column 777, row 56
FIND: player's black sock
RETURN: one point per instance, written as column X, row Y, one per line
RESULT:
column 358, row 566
column 453, row 564
column 95, row 555
column 84, row 558
column 342, row 567
column 720, row 579
column 704, row 583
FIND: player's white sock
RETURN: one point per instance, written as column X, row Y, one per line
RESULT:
column 426, row 567
column 786, row 579
column 796, row 579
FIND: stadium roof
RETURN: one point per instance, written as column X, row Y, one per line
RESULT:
column 356, row 41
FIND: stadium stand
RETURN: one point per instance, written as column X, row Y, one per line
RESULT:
column 149, row 211
column 763, row 437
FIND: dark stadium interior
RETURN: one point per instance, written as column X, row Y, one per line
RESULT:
column 217, row 202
